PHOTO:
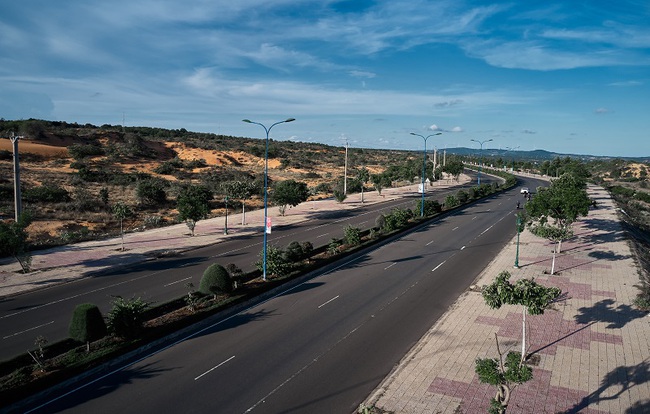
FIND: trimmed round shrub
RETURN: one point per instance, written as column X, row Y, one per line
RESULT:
column 87, row 323
column 215, row 280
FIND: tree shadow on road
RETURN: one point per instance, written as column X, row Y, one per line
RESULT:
column 104, row 386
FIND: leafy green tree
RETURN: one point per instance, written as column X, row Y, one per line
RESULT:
column 215, row 280
column 122, row 211
column 87, row 324
column 126, row 317
column 151, row 192
column 363, row 175
column 193, row 204
column 533, row 297
column 505, row 376
column 289, row 192
column 555, row 208
column 13, row 240
column 380, row 181
column 242, row 191
column 454, row 167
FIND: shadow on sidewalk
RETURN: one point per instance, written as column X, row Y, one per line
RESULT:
column 604, row 311
column 623, row 377
column 613, row 231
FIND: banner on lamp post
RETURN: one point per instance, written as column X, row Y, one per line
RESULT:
column 268, row 225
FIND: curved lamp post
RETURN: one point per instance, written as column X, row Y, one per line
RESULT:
column 480, row 164
column 266, row 182
column 424, row 163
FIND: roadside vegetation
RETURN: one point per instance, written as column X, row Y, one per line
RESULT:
column 550, row 214
column 132, row 323
column 108, row 180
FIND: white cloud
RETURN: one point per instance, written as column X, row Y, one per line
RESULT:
column 535, row 55
column 457, row 129
column 602, row 111
column 627, row 83
column 362, row 74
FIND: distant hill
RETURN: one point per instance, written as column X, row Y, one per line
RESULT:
column 536, row 155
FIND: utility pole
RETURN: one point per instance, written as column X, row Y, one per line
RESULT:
column 345, row 172
column 17, row 198
column 435, row 163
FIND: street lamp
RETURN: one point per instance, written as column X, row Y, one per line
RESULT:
column 266, row 183
column 424, row 163
column 520, row 228
column 480, row 161
column 17, row 197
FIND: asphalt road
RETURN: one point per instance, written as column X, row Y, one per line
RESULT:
column 47, row 312
column 321, row 347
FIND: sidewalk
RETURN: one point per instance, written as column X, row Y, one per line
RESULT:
column 67, row 263
column 593, row 348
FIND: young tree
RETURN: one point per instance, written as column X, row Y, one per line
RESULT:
column 13, row 240
column 533, row 297
column 193, row 204
column 122, row 211
column 240, row 190
column 289, row 192
column 363, row 175
column 555, row 208
column 380, row 181
column 505, row 376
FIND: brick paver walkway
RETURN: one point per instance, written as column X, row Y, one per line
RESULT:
column 593, row 346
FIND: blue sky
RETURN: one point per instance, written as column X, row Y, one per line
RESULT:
column 565, row 76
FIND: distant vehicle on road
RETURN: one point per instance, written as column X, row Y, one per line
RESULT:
column 524, row 190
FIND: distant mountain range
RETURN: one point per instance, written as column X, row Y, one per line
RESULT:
column 536, row 155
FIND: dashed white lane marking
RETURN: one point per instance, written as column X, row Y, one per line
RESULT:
column 214, row 367
column 27, row 330
column 329, row 301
